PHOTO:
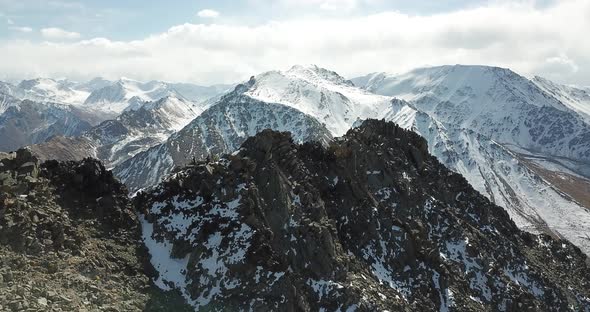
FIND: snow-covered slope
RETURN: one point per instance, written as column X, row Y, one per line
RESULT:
column 50, row 90
column 483, row 122
column 145, row 127
column 468, row 114
column 47, row 90
column 319, row 99
column 495, row 102
column 7, row 89
column 576, row 99
column 318, row 92
column 106, row 95
column 6, row 98
column 199, row 94
column 128, row 94
column 504, row 176
column 220, row 129
column 36, row 110
column 511, row 137
column 150, row 112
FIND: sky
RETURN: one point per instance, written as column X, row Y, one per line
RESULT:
column 225, row 41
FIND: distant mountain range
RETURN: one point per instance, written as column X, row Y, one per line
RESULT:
column 106, row 95
column 523, row 148
column 133, row 131
column 38, row 110
column 128, row 94
column 523, row 143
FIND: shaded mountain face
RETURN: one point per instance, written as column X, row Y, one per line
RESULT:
column 220, row 129
column 26, row 122
column 132, row 132
column 372, row 222
column 70, row 240
column 517, row 144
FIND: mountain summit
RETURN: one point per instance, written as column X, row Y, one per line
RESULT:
column 318, row 92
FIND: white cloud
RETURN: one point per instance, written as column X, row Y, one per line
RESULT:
column 9, row 21
column 548, row 41
column 559, row 67
column 208, row 13
column 22, row 29
column 54, row 33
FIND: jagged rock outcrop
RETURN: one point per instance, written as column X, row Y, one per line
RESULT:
column 370, row 223
column 69, row 239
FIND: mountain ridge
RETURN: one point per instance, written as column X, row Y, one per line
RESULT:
column 469, row 115
column 367, row 223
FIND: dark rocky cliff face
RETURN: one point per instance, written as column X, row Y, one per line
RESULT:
column 70, row 240
column 370, row 223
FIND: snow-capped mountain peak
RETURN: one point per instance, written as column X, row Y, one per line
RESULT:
column 313, row 73
column 129, row 94
column 319, row 92
column 503, row 132
column 126, row 94
column 178, row 112
column 50, row 90
column 456, row 83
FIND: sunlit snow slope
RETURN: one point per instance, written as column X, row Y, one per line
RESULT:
column 494, row 126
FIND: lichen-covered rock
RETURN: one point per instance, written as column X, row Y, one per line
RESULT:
column 370, row 223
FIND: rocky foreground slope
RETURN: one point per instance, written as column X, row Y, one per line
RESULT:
column 370, row 223
column 70, row 240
